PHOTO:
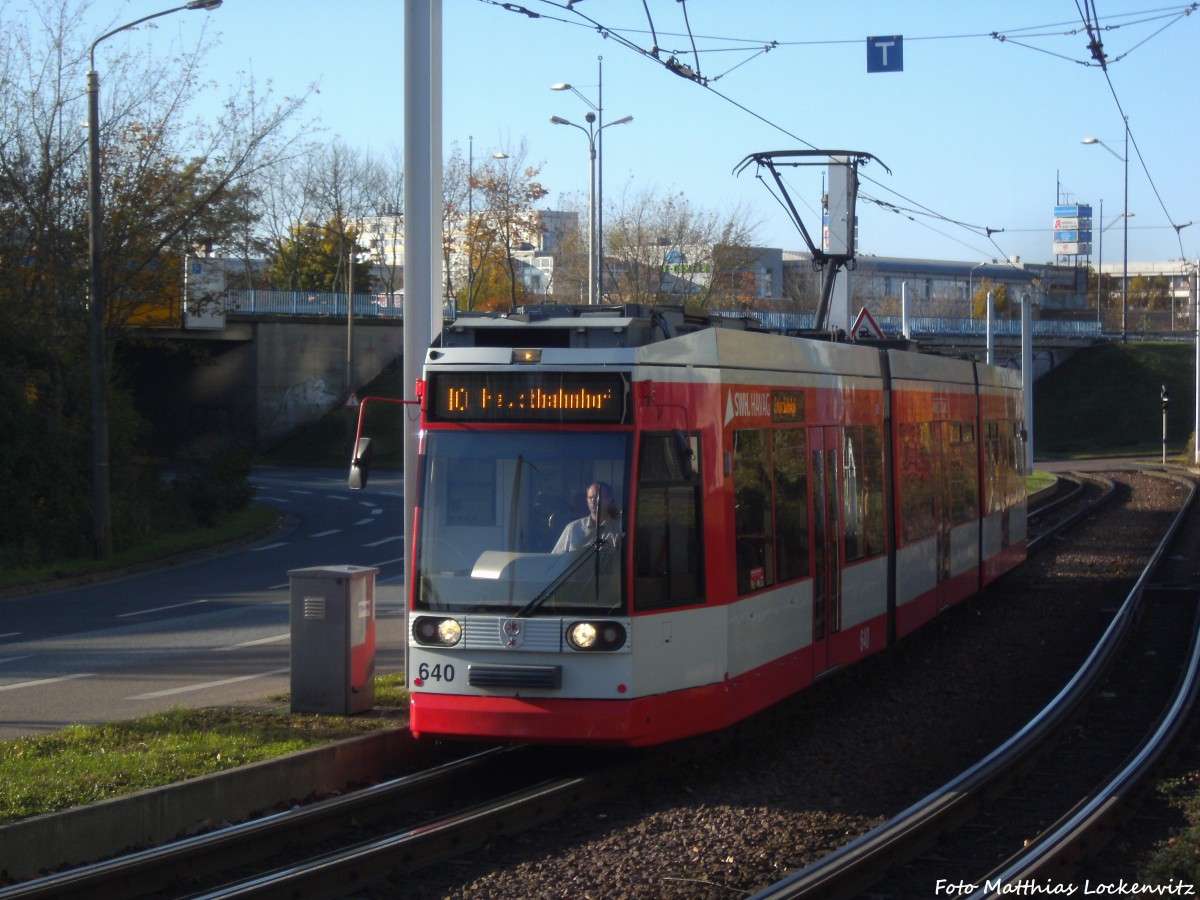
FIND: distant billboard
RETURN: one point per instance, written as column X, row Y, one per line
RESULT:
column 203, row 290
column 1073, row 230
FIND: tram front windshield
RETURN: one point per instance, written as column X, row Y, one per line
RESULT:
column 508, row 523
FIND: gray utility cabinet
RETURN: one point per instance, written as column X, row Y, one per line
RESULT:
column 333, row 639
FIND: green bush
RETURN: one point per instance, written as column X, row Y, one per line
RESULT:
column 214, row 485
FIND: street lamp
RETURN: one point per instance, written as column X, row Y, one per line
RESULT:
column 591, row 131
column 1100, row 258
column 1124, row 215
column 101, row 495
column 971, row 282
column 470, row 216
column 596, row 224
column 349, row 251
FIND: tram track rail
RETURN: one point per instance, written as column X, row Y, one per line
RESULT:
column 946, row 837
column 342, row 844
column 1078, row 495
column 424, row 838
column 180, row 868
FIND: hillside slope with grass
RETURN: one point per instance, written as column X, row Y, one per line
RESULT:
column 1105, row 400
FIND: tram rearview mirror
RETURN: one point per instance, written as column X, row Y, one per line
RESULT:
column 684, row 455
column 360, row 465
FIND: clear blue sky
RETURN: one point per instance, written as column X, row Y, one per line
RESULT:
column 975, row 129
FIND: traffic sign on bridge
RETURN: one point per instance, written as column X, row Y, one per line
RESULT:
column 865, row 328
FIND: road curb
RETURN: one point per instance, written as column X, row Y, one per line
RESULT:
column 90, row 833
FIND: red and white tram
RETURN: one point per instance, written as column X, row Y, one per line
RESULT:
column 781, row 507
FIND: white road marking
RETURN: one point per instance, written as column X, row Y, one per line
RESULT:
column 146, row 612
column 154, row 695
column 41, row 681
column 266, row 640
column 268, row 547
column 325, row 533
column 387, row 540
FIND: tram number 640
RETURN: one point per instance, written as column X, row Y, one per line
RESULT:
column 439, row 672
column 864, row 639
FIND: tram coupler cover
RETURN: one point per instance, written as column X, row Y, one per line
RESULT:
column 333, row 639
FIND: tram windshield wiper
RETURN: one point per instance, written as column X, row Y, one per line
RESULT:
column 591, row 551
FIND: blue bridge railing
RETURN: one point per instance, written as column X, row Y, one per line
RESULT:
column 317, row 303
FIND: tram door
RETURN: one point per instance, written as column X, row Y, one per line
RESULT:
column 823, row 446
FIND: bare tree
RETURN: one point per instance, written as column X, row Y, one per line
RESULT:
column 457, row 210
column 507, row 222
column 662, row 249
column 170, row 182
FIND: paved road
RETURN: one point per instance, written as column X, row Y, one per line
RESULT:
column 211, row 631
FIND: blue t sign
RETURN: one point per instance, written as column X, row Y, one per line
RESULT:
column 885, row 54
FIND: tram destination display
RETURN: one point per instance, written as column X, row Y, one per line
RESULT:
column 508, row 396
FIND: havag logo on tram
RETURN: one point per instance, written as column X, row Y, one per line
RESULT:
column 745, row 403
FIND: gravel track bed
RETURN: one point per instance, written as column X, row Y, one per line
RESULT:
column 846, row 755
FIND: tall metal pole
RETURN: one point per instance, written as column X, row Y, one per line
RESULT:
column 1100, row 268
column 97, row 353
column 470, row 216
column 1124, row 215
column 1196, row 420
column 600, row 179
column 590, row 118
column 1125, row 272
column 350, row 321
column 422, row 206
column 1027, row 375
column 596, row 193
column 990, row 344
column 98, row 363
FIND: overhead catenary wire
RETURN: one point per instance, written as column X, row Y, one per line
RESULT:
column 1091, row 22
column 567, row 12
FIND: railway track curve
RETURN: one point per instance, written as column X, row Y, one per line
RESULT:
column 995, row 796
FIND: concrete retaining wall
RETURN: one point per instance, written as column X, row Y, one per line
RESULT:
column 91, row 833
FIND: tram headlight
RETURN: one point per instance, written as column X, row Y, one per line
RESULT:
column 436, row 632
column 596, row 635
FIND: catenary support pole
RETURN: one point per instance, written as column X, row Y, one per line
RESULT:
column 422, row 220
column 1027, row 375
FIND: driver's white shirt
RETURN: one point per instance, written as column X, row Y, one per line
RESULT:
column 582, row 533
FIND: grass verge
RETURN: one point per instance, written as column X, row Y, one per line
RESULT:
column 85, row 764
column 251, row 520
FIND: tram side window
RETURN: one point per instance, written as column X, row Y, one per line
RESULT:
column 916, row 480
column 1018, row 457
column 1015, row 476
column 993, row 483
column 864, row 509
column 791, row 503
column 964, row 475
column 753, row 538
column 1004, row 461
column 668, row 569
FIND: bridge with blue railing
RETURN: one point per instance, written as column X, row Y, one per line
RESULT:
column 928, row 328
column 291, row 356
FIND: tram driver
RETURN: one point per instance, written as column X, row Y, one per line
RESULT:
column 601, row 525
